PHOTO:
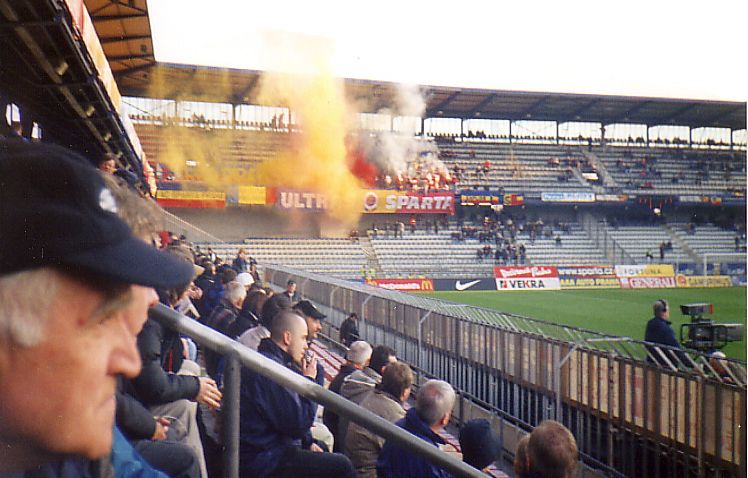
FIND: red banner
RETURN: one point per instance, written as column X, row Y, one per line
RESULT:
column 514, row 199
column 403, row 285
column 525, row 272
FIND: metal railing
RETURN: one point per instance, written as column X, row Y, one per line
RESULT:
column 598, row 232
column 237, row 356
column 631, row 416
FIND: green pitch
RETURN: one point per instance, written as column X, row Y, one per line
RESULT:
column 611, row 311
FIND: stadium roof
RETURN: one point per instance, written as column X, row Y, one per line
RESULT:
column 125, row 34
column 240, row 86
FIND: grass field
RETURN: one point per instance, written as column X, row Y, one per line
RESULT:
column 611, row 311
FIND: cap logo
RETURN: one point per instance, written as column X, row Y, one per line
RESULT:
column 107, row 202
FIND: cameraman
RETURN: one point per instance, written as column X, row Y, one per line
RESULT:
column 659, row 331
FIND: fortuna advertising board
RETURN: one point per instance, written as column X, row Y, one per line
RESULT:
column 647, row 270
column 526, row 278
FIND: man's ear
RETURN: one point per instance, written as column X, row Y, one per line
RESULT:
column 287, row 338
column 445, row 419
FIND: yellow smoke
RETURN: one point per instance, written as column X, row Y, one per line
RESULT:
column 313, row 158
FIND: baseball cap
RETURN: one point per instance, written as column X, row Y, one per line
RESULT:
column 308, row 309
column 245, row 279
column 55, row 210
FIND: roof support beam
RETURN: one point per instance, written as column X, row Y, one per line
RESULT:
column 533, row 108
column 126, row 16
column 145, row 56
column 485, row 102
column 440, row 106
column 239, row 97
column 626, row 115
column 680, row 111
column 714, row 118
column 135, row 69
column 123, row 38
column 574, row 115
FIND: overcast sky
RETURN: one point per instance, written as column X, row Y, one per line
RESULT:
column 659, row 48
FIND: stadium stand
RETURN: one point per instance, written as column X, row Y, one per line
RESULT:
column 638, row 240
column 708, row 238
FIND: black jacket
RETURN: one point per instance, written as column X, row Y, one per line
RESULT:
column 154, row 386
column 133, row 419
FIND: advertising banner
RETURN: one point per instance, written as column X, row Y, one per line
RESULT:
column 570, row 196
column 193, row 199
column 647, row 282
column 526, row 278
column 514, row 199
column 252, row 195
column 696, row 199
column 379, row 201
column 300, row 200
column 403, row 285
column 645, row 270
column 611, row 197
column 464, row 284
column 588, row 277
column 703, row 281
column 481, row 198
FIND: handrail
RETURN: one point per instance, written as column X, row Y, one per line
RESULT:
column 255, row 361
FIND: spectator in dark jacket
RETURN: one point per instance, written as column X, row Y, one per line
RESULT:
column 212, row 297
column 659, row 331
column 275, row 423
column 223, row 319
column 149, row 436
column 434, row 402
column 240, row 264
column 349, row 330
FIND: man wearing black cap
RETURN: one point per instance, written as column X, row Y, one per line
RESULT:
column 290, row 291
column 479, row 444
column 61, row 351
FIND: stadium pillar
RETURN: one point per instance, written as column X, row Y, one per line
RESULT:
column 556, row 131
column 510, row 131
column 690, row 137
column 646, row 134
column 233, row 116
column 420, row 339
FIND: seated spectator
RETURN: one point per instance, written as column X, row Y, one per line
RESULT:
column 275, row 436
column 223, row 319
column 212, row 297
column 272, row 306
column 349, row 330
column 363, row 446
column 357, row 358
column 479, row 444
column 552, row 451
column 62, row 350
column 521, row 459
column 107, row 164
column 359, row 383
column 434, row 403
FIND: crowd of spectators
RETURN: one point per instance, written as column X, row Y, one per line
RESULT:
column 127, row 396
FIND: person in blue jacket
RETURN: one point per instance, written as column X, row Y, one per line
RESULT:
column 659, row 331
column 434, row 403
column 275, row 427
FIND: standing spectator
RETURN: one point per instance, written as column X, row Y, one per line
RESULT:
column 662, row 251
column 290, row 291
column 552, row 451
column 254, row 273
column 363, row 446
column 434, row 402
column 275, row 424
column 63, row 348
column 357, row 358
column 240, row 263
column 349, row 330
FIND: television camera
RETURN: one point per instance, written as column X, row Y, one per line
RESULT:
column 703, row 333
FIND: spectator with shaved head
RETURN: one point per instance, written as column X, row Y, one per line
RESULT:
column 275, row 424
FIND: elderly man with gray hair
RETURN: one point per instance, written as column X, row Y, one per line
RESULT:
column 434, row 402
